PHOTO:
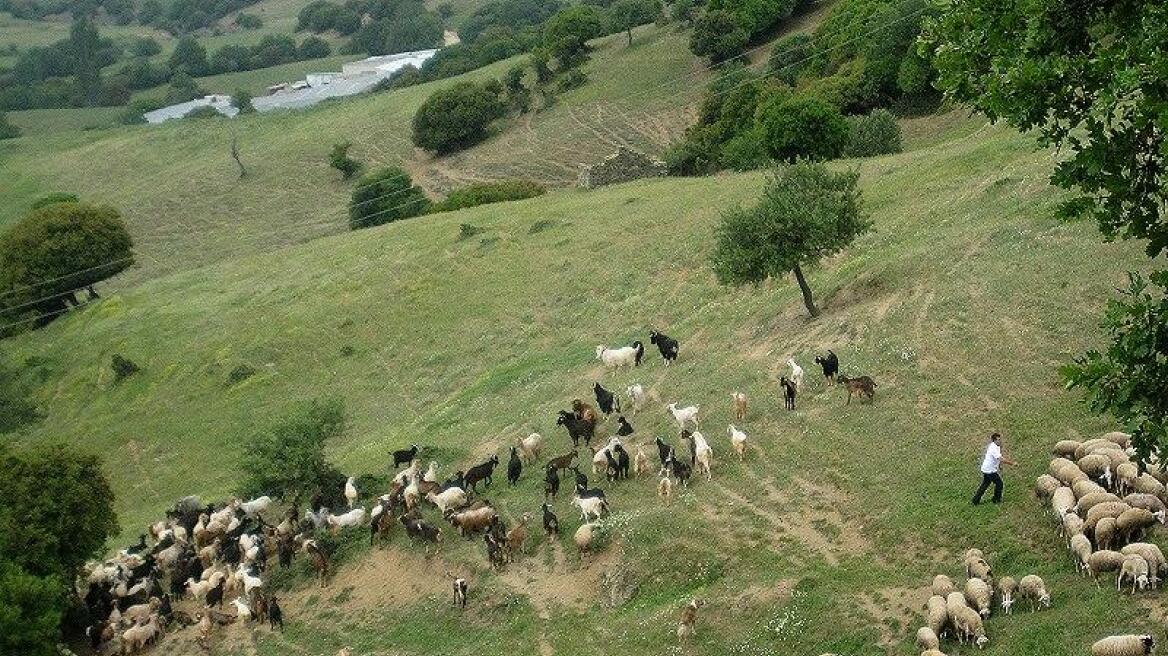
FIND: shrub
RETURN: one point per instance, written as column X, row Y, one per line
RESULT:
column 203, row 111
column 133, row 114
column 695, row 154
column 313, row 47
column 249, row 21
column 54, row 197
column 567, row 33
column 189, row 55
column 797, row 128
column 289, row 459
column 183, row 88
column 627, row 14
column 7, row 130
column 383, row 196
column 456, row 117
column 484, row 193
column 746, row 151
column 755, row 16
column 33, row 607
column 790, row 57
column 573, row 79
column 468, row 230
column 718, row 36
column 240, row 373
column 339, row 159
column 17, row 408
column 241, row 100
column 877, row 133
column 145, row 47
column 123, row 367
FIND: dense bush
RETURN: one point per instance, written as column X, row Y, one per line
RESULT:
column 383, row 196
column 484, row 193
column 273, row 50
column 718, row 36
column 190, row 56
column 133, row 113
column 457, row 116
column 249, row 21
column 397, row 27
column 123, row 367
column 182, row 16
column 33, row 608
column 755, row 16
column 803, row 128
column 141, row 73
column 57, row 249
column 339, row 159
column 17, row 409
column 567, row 33
column 7, row 130
column 323, row 16
column 624, row 15
column 231, row 58
column 695, row 154
column 145, row 47
column 509, row 14
column 790, row 57
column 313, row 47
column 183, row 88
column 877, row 133
column 241, row 100
column 289, row 458
column 240, row 373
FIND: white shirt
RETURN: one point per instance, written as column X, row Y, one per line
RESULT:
column 992, row 459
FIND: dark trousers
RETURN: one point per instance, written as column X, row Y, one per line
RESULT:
column 986, row 479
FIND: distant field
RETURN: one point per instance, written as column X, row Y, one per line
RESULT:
column 961, row 304
column 55, row 121
column 177, row 185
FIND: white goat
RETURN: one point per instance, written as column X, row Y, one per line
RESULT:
column 625, row 356
column 703, row 454
column 431, row 475
column 530, row 447
column 351, row 491
column 737, row 440
column 684, row 415
column 354, row 517
column 636, row 394
column 796, row 373
column 589, row 507
column 242, row 611
column 254, row 507
column 453, row 497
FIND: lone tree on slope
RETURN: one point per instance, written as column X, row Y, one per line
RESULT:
column 806, row 213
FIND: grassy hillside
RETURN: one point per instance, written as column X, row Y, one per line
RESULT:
column 960, row 304
column 178, row 188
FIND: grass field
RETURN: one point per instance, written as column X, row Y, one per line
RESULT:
column 961, row 304
column 179, row 191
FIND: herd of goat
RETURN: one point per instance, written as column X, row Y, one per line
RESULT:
column 218, row 554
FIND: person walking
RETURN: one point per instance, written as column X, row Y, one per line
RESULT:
column 990, row 464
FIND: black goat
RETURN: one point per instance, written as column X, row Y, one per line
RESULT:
column 418, row 529
column 789, row 391
column 460, row 586
column 586, row 493
column 623, row 426
column 666, row 344
column 622, row 461
column 514, row 467
column 577, row 428
column 551, row 483
column 830, row 365
column 679, row 469
column 663, row 451
column 612, row 471
column 605, row 400
column 581, row 479
column 481, row 472
column 458, row 480
column 137, row 548
column 215, row 595
column 551, row 524
column 275, row 615
column 405, row 456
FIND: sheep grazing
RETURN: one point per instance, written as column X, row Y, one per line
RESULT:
column 138, row 636
column 969, row 627
column 1105, row 533
column 942, row 585
column 665, row 489
column 1072, row 525
column 636, row 396
column 514, row 467
column 1007, row 586
column 624, row 428
column 1044, row 486
column 640, row 463
column 796, row 373
column 927, row 639
column 404, row 456
column 737, row 440
column 1134, row 569
column 1131, row 525
column 684, row 416
column 668, row 346
column 1147, row 484
column 584, row 537
column 738, row 403
column 1032, row 587
column 1090, row 500
column 351, row 491
column 1124, row 645
column 979, row 596
column 1104, row 560
column 1119, row 438
column 790, row 390
column 1066, row 448
column 530, row 447
column 481, row 472
column 830, row 366
column 1152, row 554
column 1062, row 501
column 625, row 356
column 937, row 615
column 1081, row 549
column 687, row 625
column 551, row 524
column 1097, row 467
column 590, row 506
column 954, row 601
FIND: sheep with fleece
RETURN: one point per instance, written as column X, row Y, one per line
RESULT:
column 1135, row 569
column 954, row 601
column 943, row 585
column 431, row 475
column 138, row 636
column 1007, row 586
column 979, row 596
column 1071, row 525
column 1123, row 440
column 1081, row 549
column 937, row 614
column 637, row 396
column 737, row 440
column 1068, row 473
column 1062, row 501
column 1087, row 446
column 1131, row 525
column 1104, row 560
column 1146, row 501
column 1032, row 587
column 684, row 416
column 1065, row 448
column 1096, row 466
column 1105, row 533
column 1099, row 511
column 1124, row 645
column 927, row 639
column 1044, row 486
column 625, row 356
column 971, row 556
column 970, row 627
column 585, row 536
column 1147, row 484
column 1086, row 503
column 1086, row 486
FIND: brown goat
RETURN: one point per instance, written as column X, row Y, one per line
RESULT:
column 739, row 402
column 562, row 462
column 517, row 536
column 470, row 522
column 861, row 386
column 319, row 560
column 687, row 626
column 585, row 411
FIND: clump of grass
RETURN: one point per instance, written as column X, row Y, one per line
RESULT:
column 123, row 367
column 240, row 374
column 541, row 225
column 468, row 230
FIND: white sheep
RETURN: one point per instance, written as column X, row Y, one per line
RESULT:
column 409, row 474
column 448, row 499
column 737, row 440
column 1133, row 522
column 636, row 394
column 979, row 595
column 1044, row 486
column 625, row 356
column 927, row 639
column 1147, row 484
column 1096, row 466
column 1072, row 525
column 354, row 517
column 796, row 373
column 943, row 585
column 1120, row 438
column 1105, row 533
column 256, row 506
column 1104, row 560
column 1146, row 501
column 1066, row 448
column 1135, row 569
column 937, row 616
column 589, row 506
column 530, row 447
column 584, row 536
column 1081, row 548
column 1086, row 486
column 1062, row 501
column 970, row 628
column 1006, row 588
column 954, row 601
column 684, row 416
column 351, row 491
column 1152, row 554
column 1089, row 501
column 1032, row 587
column 1124, row 645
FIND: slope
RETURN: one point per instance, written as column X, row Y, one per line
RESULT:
column 961, row 305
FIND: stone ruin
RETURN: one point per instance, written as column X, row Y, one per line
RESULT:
column 622, row 166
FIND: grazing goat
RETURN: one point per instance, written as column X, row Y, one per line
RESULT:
column 687, row 626
column 551, row 483
column 665, row 488
column 255, row 507
column 419, row 529
column 551, row 524
column 862, row 386
column 530, row 447
column 514, row 467
column 663, row 450
column 684, row 416
column 624, row 429
column 830, row 366
column 737, row 440
column 448, row 499
column 470, row 522
column 403, row 456
column 577, row 428
column 679, row 469
column 460, row 587
column 605, row 400
column 581, row 479
column 622, row 461
column 703, row 454
column 590, row 506
column 354, row 517
column 562, row 462
column 275, row 614
column 481, row 472
column 636, row 394
column 626, row 356
column 319, row 559
column 738, row 401
column 640, row 463
column 789, row 392
column 796, row 373
column 666, row 344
